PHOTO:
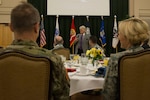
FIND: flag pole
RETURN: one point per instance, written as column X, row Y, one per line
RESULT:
column 102, row 18
column 42, row 16
column 116, row 49
column 73, row 49
column 87, row 17
column 40, row 30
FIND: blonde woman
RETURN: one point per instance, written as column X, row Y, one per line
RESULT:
column 133, row 33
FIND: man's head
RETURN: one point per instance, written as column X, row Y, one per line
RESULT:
column 24, row 18
column 58, row 40
column 82, row 29
column 92, row 41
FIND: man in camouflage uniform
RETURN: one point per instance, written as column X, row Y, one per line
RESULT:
column 25, row 25
column 133, row 33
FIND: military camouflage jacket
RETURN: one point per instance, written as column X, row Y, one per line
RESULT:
column 110, row 90
column 60, row 84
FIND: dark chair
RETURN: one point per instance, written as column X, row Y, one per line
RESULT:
column 134, row 76
column 63, row 51
column 24, row 76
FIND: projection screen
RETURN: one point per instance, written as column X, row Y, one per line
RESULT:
column 78, row 7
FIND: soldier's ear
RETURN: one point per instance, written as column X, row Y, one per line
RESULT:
column 11, row 27
column 36, row 28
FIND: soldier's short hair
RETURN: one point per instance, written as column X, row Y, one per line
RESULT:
column 24, row 17
column 93, row 38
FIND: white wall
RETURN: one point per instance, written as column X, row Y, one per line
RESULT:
column 141, row 9
column 5, row 9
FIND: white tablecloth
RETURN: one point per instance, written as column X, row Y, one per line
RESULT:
column 82, row 83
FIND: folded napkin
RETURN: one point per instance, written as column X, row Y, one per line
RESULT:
column 100, row 72
column 70, row 69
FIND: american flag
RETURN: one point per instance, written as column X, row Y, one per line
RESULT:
column 42, row 33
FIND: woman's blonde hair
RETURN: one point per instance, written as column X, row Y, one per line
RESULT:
column 135, row 30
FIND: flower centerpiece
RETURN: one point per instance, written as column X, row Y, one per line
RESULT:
column 94, row 54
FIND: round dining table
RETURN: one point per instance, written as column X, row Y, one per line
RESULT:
column 79, row 83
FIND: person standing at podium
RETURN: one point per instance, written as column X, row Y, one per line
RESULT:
column 82, row 41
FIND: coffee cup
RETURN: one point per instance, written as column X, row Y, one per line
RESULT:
column 83, row 69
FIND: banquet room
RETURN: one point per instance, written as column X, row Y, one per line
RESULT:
column 85, row 61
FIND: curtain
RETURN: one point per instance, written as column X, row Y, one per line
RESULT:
column 117, row 7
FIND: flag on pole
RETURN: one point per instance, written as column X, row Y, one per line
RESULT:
column 115, row 39
column 72, row 32
column 102, row 33
column 57, row 27
column 87, row 28
column 42, row 33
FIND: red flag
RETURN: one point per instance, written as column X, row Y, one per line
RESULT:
column 72, row 33
column 42, row 34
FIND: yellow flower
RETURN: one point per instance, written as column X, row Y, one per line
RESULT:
column 99, row 52
column 87, row 52
column 93, row 49
column 94, row 53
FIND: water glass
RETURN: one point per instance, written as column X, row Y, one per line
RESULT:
column 83, row 55
column 84, row 60
column 71, row 56
column 83, row 70
column 105, row 60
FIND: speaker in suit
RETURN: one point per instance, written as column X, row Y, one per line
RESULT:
column 82, row 39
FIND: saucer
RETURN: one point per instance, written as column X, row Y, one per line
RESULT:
column 76, row 65
column 71, row 73
column 82, row 74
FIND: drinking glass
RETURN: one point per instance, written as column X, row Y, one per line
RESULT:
column 83, row 55
column 105, row 60
column 84, row 60
column 71, row 57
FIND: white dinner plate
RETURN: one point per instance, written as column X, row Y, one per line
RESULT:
column 74, row 65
